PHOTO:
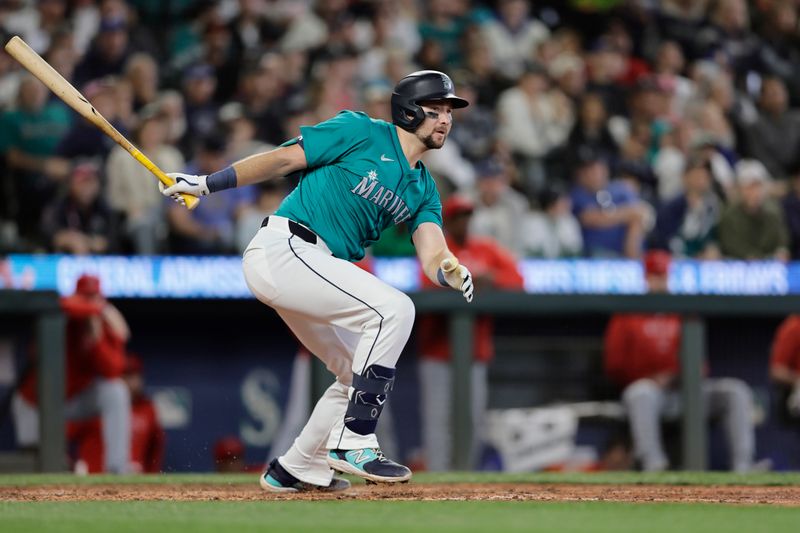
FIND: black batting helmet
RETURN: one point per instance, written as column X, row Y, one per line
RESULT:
column 418, row 87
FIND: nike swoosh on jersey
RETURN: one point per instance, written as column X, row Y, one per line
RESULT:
column 384, row 158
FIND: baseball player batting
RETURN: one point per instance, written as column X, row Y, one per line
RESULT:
column 359, row 176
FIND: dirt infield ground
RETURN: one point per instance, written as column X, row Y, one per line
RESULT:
column 728, row 494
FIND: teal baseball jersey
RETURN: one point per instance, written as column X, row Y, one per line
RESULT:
column 358, row 183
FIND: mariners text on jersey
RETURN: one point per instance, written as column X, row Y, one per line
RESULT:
column 357, row 183
column 384, row 197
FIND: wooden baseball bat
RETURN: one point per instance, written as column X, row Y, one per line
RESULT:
column 40, row 68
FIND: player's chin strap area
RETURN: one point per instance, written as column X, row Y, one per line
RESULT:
column 370, row 391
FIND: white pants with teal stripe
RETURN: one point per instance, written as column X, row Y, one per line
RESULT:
column 344, row 315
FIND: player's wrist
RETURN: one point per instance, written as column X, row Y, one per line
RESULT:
column 440, row 278
column 222, row 179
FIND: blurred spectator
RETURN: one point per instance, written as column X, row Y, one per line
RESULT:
column 261, row 92
column 220, row 50
column 108, row 53
column 210, row 227
column 773, row 138
column 269, row 195
column 335, row 78
column 240, row 130
column 612, row 217
column 791, row 211
column 45, row 20
column 727, row 38
column 499, row 209
column 29, row 135
column 591, row 128
column 475, row 126
column 753, row 227
column 171, row 109
column 141, row 72
column 95, row 361
column 642, row 356
column 668, row 68
column 513, row 37
column 377, row 98
column 784, row 368
column 568, row 72
column 393, row 33
column 252, row 27
column 679, row 21
column 552, row 232
column 84, row 139
column 606, row 68
column 687, row 224
column 483, row 75
column 85, row 21
column 132, row 190
column 534, row 120
column 10, row 76
column 147, row 435
column 443, row 26
column 492, row 267
column 199, row 84
column 80, row 223
column 780, row 54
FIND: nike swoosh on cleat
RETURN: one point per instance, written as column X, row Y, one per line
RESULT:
column 384, row 158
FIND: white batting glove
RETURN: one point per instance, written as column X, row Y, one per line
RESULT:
column 793, row 402
column 458, row 277
column 186, row 184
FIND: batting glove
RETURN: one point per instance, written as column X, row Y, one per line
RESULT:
column 458, row 277
column 793, row 402
column 185, row 184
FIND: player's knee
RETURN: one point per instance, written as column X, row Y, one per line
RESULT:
column 403, row 309
column 641, row 390
column 113, row 391
column 370, row 392
column 735, row 390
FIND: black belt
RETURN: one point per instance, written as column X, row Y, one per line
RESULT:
column 296, row 229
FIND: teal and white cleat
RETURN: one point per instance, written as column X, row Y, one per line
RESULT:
column 277, row 479
column 370, row 464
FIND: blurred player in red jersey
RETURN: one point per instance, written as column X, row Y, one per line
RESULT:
column 492, row 267
column 147, row 435
column 642, row 356
column 95, row 344
column 784, row 367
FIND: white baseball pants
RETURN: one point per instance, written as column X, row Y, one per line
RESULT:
column 727, row 399
column 344, row 315
column 110, row 398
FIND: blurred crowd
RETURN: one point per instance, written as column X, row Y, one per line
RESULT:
column 597, row 128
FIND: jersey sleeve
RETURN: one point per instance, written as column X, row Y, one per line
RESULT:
column 786, row 345
column 430, row 210
column 328, row 141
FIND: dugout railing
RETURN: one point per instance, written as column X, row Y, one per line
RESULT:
column 693, row 308
column 42, row 310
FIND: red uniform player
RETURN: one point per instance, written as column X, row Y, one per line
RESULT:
column 492, row 267
column 95, row 344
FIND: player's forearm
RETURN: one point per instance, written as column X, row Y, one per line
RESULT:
column 431, row 264
column 263, row 167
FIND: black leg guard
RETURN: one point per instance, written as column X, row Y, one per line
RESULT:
column 370, row 394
